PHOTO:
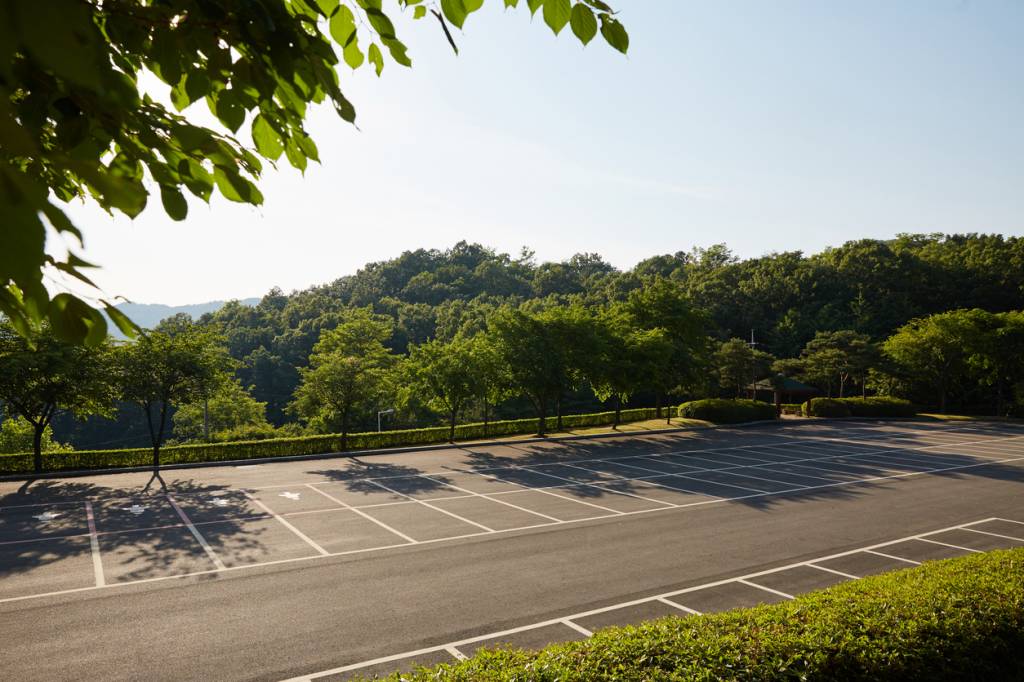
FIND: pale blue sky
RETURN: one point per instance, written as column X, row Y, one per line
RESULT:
column 766, row 125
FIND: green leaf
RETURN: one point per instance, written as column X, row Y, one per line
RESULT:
column 556, row 14
column 419, row 12
column 534, row 5
column 614, row 33
column 454, row 11
column 229, row 110
column 174, row 202
column 353, row 55
column 376, row 58
column 61, row 36
column 583, row 22
column 268, row 141
column 472, row 5
column 295, row 156
column 127, row 327
column 343, row 26
column 327, row 7
column 236, row 188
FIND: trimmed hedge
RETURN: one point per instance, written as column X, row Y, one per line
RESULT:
column 722, row 411
column 958, row 619
column 304, row 445
column 825, row 407
column 875, row 406
column 880, row 406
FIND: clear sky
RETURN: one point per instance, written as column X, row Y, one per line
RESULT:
column 769, row 126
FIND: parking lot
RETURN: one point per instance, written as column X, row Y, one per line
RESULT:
column 73, row 537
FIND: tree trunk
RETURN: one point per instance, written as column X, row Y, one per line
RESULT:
column 451, row 427
column 863, row 387
column 618, row 411
column 542, row 410
column 486, row 405
column 159, row 436
column 558, row 408
column 344, row 430
column 37, row 445
column 842, row 385
column 657, row 404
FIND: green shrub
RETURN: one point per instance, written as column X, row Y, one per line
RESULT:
column 722, row 411
column 958, row 619
column 825, row 407
column 875, row 406
column 299, row 446
column 880, row 406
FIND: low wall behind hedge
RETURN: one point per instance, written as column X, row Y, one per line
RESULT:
column 305, row 445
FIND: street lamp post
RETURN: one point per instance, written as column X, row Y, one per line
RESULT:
column 380, row 413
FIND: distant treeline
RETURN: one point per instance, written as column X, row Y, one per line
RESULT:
column 868, row 289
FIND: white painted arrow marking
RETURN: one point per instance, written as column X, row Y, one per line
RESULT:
column 135, row 509
column 290, row 495
column 47, row 516
column 220, row 502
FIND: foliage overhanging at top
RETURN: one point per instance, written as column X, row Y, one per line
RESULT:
column 76, row 121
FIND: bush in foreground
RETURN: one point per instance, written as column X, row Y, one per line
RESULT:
column 727, row 411
column 959, row 619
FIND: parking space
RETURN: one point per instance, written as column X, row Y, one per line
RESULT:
column 765, row 587
column 375, row 507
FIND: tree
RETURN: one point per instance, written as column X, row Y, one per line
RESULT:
column 999, row 359
column 739, row 365
column 230, row 409
column 176, row 364
column 530, row 350
column 41, row 375
column 841, row 355
column 629, row 359
column 349, row 373
column 76, row 121
column 446, row 374
column 493, row 381
column 662, row 304
column 936, row 350
column 18, row 435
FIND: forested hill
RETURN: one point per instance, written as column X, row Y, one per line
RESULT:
column 868, row 286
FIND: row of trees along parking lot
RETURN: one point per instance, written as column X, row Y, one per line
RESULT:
column 471, row 335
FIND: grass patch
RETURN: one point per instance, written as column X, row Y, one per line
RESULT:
column 958, row 619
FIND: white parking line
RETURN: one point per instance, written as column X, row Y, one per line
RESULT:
column 893, row 556
column 996, row 535
column 196, row 534
column 434, row 507
column 492, row 499
column 94, row 543
column 364, row 515
column 946, row 544
column 578, row 628
column 456, row 653
column 750, row 583
column 665, row 598
column 832, row 570
column 837, row 484
column 687, row 609
column 302, row 536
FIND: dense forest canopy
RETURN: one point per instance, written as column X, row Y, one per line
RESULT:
column 869, row 288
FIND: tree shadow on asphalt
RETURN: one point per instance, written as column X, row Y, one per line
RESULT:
column 360, row 475
column 139, row 536
column 847, row 477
